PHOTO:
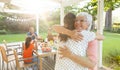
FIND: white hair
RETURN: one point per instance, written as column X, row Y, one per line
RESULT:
column 88, row 17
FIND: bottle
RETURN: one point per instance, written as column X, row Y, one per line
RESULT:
column 46, row 39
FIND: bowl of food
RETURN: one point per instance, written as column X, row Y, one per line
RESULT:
column 46, row 49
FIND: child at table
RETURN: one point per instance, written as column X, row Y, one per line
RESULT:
column 28, row 49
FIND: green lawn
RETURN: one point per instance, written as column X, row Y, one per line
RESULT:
column 12, row 37
column 110, row 45
column 16, row 37
column 111, row 42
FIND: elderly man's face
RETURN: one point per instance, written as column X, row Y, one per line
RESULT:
column 32, row 30
column 81, row 23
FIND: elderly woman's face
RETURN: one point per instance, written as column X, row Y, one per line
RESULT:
column 81, row 23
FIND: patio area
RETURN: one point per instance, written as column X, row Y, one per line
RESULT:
column 48, row 62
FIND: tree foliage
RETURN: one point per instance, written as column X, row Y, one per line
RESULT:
column 13, row 26
column 113, row 4
column 73, row 8
column 108, row 7
column 92, row 6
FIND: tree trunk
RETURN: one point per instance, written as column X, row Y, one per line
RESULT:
column 108, row 20
column 93, row 26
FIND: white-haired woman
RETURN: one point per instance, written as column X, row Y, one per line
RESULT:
column 83, row 22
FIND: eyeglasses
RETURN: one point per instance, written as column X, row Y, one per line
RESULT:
column 80, row 20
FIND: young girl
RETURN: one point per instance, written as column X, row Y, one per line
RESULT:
column 28, row 49
column 78, row 48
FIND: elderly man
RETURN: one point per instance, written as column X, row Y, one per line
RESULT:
column 32, row 33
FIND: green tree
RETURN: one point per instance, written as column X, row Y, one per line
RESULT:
column 11, row 6
column 73, row 8
column 109, row 6
column 2, row 25
column 91, row 8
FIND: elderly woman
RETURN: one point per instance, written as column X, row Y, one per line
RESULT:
column 83, row 22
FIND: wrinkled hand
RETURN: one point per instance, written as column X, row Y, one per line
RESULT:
column 64, row 52
column 76, row 36
column 99, row 36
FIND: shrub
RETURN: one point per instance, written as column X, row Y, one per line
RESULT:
column 118, row 30
column 116, row 27
column 3, row 32
column 113, row 58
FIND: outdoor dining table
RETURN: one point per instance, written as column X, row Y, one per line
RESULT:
column 44, row 54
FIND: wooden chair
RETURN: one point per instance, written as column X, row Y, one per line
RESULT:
column 20, row 62
column 8, row 48
column 6, row 58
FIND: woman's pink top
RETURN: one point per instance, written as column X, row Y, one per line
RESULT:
column 92, row 51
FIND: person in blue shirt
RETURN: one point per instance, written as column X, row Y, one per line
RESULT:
column 32, row 33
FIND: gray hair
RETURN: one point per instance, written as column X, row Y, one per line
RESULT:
column 88, row 17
